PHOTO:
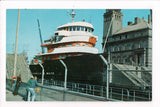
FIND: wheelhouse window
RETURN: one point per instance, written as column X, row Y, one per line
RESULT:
column 82, row 28
column 56, row 33
column 78, row 28
column 74, row 28
column 86, row 29
column 69, row 45
column 87, row 45
column 77, row 44
column 70, row 28
column 63, row 46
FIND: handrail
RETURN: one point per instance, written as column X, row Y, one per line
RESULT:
column 130, row 94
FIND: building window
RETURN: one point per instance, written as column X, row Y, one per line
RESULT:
column 112, row 49
column 120, row 37
column 128, row 47
column 113, row 59
column 126, row 36
column 133, row 47
column 115, row 49
column 120, row 48
column 140, row 45
column 141, row 33
column 125, row 47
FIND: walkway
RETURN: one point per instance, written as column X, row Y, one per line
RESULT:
column 11, row 97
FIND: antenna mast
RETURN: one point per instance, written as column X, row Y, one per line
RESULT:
column 73, row 14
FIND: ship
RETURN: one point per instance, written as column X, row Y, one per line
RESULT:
column 74, row 44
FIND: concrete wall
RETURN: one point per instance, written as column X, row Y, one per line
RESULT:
column 57, row 95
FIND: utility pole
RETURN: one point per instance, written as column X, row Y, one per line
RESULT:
column 15, row 60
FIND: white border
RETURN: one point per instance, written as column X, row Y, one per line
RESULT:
column 131, row 4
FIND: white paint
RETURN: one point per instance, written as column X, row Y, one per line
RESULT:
column 74, row 49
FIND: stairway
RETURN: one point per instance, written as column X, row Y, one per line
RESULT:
column 22, row 67
column 132, row 76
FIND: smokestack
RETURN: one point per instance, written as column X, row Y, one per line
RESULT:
column 129, row 23
column 137, row 20
column 149, row 19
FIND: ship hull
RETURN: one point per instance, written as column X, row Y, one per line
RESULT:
column 86, row 69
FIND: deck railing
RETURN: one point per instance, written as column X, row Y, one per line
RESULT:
column 122, row 94
column 55, row 91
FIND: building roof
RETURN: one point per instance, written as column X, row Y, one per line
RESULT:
column 77, row 24
column 133, row 27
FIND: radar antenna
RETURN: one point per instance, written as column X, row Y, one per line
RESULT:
column 73, row 14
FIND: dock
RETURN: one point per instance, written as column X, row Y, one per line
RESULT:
column 11, row 97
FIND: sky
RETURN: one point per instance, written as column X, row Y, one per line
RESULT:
column 50, row 19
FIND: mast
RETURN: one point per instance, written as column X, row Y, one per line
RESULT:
column 73, row 14
column 40, row 35
column 15, row 60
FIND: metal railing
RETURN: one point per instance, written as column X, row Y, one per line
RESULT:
column 55, row 91
column 122, row 94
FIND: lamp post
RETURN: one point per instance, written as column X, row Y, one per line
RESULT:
column 42, row 72
column 107, row 76
column 65, row 80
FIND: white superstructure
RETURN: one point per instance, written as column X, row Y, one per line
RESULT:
column 71, row 39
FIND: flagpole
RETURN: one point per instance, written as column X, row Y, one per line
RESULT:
column 15, row 60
